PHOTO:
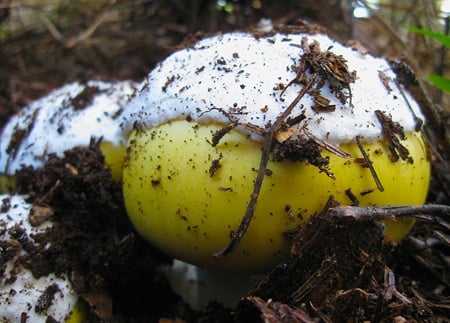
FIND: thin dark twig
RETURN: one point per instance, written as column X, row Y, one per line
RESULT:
column 283, row 116
column 369, row 164
column 389, row 212
column 417, row 120
column 314, row 279
column 268, row 139
column 332, row 149
column 243, row 226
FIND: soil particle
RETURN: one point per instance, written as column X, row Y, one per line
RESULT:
column 45, row 300
column 85, row 98
column 300, row 150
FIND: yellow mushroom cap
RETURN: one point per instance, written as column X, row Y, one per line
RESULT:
column 199, row 122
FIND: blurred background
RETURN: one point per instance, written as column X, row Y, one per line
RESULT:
column 45, row 43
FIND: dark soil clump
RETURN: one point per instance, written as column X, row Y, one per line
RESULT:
column 338, row 272
column 114, row 270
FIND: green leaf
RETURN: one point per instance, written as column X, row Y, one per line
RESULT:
column 440, row 82
column 442, row 38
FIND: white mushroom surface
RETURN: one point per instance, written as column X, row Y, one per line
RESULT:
column 245, row 77
column 22, row 295
column 67, row 117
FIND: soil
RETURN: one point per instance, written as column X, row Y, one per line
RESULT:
column 340, row 269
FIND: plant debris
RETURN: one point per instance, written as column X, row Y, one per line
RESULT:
column 331, row 69
column 279, row 312
column 392, row 133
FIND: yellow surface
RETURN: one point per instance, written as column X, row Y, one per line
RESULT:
column 175, row 204
column 113, row 158
column 78, row 314
column 6, row 183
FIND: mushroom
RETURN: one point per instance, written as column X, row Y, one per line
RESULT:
column 67, row 117
column 24, row 296
column 238, row 138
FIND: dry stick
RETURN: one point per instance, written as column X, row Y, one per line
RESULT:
column 369, row 164
column 326, row 145
column 268, row 138
column 386, row 213
column 283, row 116
column 51, row 28
column 243, row 226
column 417, row 120
column 85, row 34
column 314, row 279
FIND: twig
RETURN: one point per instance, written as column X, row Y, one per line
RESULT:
column 386, row 213
column 369, row 164
column 85, row 34
column 391, row 289
column 243, row 226
column 417, row 120
column 268, row 139
column 51, row 28
column 283, row 116
column 82, row 36
column 326, row 267
column 325, row 145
